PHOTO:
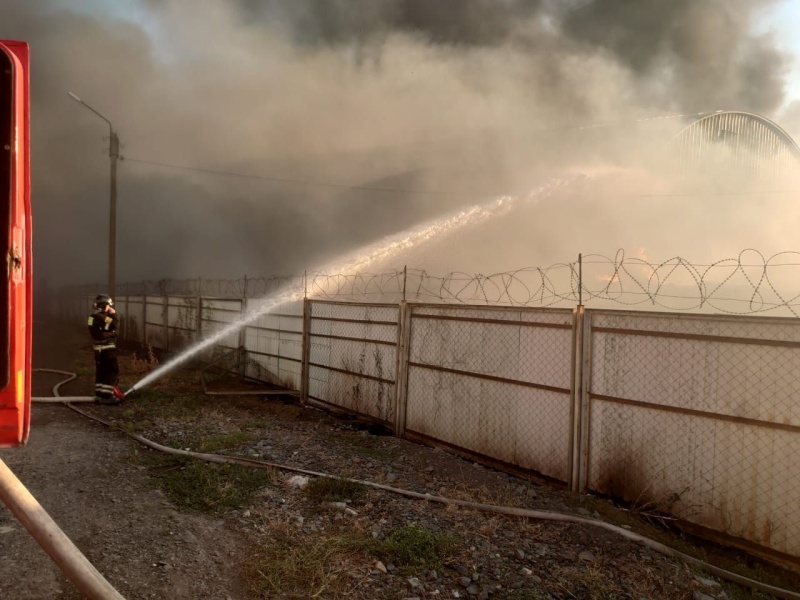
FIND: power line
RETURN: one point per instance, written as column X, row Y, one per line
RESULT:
column 308, row 182
column 327, row 184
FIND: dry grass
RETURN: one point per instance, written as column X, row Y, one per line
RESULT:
column 142, row 364
column 290, row 564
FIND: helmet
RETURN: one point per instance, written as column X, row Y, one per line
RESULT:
column 102, row 300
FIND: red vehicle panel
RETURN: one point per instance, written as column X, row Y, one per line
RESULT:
column 15, row 227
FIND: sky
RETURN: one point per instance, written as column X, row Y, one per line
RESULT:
column 783, row 20
column 331, row 123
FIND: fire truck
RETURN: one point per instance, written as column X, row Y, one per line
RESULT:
column 16, row 324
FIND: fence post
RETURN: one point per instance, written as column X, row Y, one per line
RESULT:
column 199, row 326
column 165, row 313
column 401, row 377
column 305, row 370
column 585, row 407
column 243, row 334
column 576, row 395
column 144, row 314
column 126, row 324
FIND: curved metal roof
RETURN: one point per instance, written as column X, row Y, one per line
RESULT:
column 750, row 140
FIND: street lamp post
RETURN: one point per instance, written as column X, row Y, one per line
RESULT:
column 113, row 153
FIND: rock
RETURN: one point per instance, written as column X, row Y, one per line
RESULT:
column 520, row 554
column 465, row 581
column 472, row 590
column 709, row 583
column 540, row 550
column 6, row 529
column 586, row 556
column 414, row 582
column 337, row 505
column 582, row 511
column 526, row 571
column 381, row 567
column 297, row 481
column 246, row 514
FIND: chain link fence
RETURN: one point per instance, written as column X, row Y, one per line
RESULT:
column 698, row 417
column 352, row 362
column 692, row 415
column 494, row 382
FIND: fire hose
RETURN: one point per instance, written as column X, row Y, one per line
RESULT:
column 69, row 559
column 498, row 509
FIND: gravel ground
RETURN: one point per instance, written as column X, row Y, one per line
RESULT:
column 286, row 542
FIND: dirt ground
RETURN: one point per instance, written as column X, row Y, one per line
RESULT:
column 80, row 473
column 99, row 487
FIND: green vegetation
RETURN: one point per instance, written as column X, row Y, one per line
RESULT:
column 152, row 404
column 416, row 546
column 209, row 487
column 225, row 441
column 328, row 489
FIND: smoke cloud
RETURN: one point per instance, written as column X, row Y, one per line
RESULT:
column 329, row 104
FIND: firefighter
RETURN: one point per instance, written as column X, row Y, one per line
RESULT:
column 103, row 329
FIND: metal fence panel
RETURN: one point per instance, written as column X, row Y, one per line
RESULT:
column 353, row 357
column 216, row 315
column 181, row 321
column 274, row 344
column 496, row 382
column 133, row 328
column 154, row 321
column 699, row 416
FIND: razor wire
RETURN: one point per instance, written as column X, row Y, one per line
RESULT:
column 749, row 283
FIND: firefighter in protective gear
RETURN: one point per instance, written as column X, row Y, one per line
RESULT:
column 103, row 329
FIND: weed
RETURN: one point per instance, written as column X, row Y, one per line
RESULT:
column 327, row 489
column 207, row 487
column 141, row 365
column 153, row 404
column 291, row 565
column 417, row 546
column 225, row 441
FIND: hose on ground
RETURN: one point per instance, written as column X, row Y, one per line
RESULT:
column 543, row 515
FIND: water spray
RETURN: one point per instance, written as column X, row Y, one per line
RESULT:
column 385, row 248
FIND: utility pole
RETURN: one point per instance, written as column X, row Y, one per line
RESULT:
column 113, row 153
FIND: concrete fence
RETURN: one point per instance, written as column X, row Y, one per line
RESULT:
column 694, row 415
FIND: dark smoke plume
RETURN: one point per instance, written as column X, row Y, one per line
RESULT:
column 471, row 98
